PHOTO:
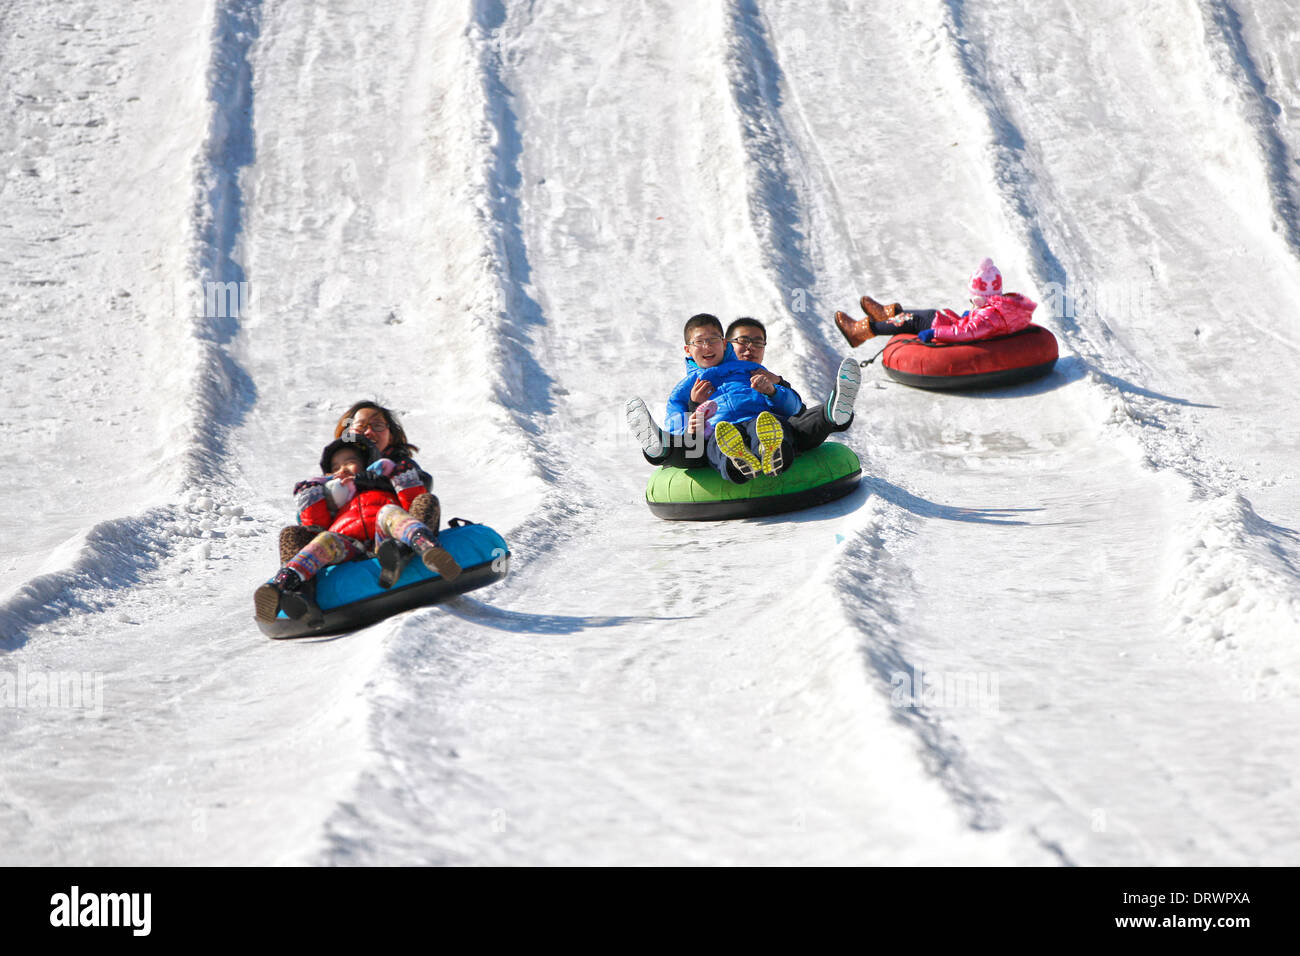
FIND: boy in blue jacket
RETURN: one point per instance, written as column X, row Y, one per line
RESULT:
column 733, row 414
column 811, row 426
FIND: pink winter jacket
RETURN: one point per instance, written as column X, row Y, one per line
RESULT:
column 1003, row 315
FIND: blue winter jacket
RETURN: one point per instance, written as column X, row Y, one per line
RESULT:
column 737, row 400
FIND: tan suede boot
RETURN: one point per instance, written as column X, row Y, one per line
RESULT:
column 856, row 331
column 877, row 312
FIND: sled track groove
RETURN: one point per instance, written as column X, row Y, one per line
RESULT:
column 885, row 658
column 1015, row 181
column 781, row 207
column 775, row 205
column 784, row 169
column 125, row 552
column 1156, row 421
column 522, row 387
column 1231, row 56
column 119, row 553
column 223, row 391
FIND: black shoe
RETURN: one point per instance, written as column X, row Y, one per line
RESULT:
column 302, row 606
column 270, row 598
column 393, row 558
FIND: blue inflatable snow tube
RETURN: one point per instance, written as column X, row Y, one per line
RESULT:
column 350, row 597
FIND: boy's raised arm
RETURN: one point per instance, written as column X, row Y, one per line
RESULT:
column 786, row 400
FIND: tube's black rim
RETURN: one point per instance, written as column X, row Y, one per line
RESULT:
column 359, row 614
column 1001, row 377
column 756, row 507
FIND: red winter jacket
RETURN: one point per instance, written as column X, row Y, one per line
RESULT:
column 1003, row 315
column 357, row 517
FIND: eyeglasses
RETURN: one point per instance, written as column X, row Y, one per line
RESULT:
column 746, row 340
column 706, row 341
column 374, row 425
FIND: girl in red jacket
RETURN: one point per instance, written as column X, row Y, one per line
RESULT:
column 363, row 504
column 993, row 313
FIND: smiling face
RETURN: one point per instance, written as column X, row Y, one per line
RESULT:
column 704, row 342
column 707, row 347
column 371, row 423
column 346, row 458
column 749, row 343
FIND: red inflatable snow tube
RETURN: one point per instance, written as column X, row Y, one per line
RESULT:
column 987, row 363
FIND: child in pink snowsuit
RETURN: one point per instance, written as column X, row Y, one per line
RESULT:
column 993, row 313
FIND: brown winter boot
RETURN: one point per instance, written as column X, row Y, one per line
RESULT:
column 294, row 538
column 856, row 331
column 435, row 557
column 877, row 312
column 426, row 510
column 440, row 561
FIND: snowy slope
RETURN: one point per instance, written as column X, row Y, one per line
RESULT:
column 1057, row 624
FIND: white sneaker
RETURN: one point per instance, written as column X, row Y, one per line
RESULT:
column 839, row 407
column 644, row 428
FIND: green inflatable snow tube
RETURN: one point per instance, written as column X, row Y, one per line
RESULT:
column 827, row 472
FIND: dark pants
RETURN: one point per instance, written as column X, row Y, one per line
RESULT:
column 919, row 319
column 681, row 451
column 811, row 427
column 803, row 431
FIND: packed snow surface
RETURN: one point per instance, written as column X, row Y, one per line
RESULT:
column 1057, row 624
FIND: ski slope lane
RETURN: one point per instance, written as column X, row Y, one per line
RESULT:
column 641, row 692
column 1041, row 525
column 1206, row 393
column 203, row 742
column 104, row 118
column 1179, row 288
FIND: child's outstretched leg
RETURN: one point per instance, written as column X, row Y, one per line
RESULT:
column 397, row 525
column 659, row 447
column 283, row 592
column 855, row 331
column 293, row 538
column 393, row 558
column 267, row 598
column 877, row 312
column 814, row 425
column 393, row 555
column 761, row 446
column 882, row 320
column 911, row 323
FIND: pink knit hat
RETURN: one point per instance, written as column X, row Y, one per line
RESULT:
column 986, row 280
